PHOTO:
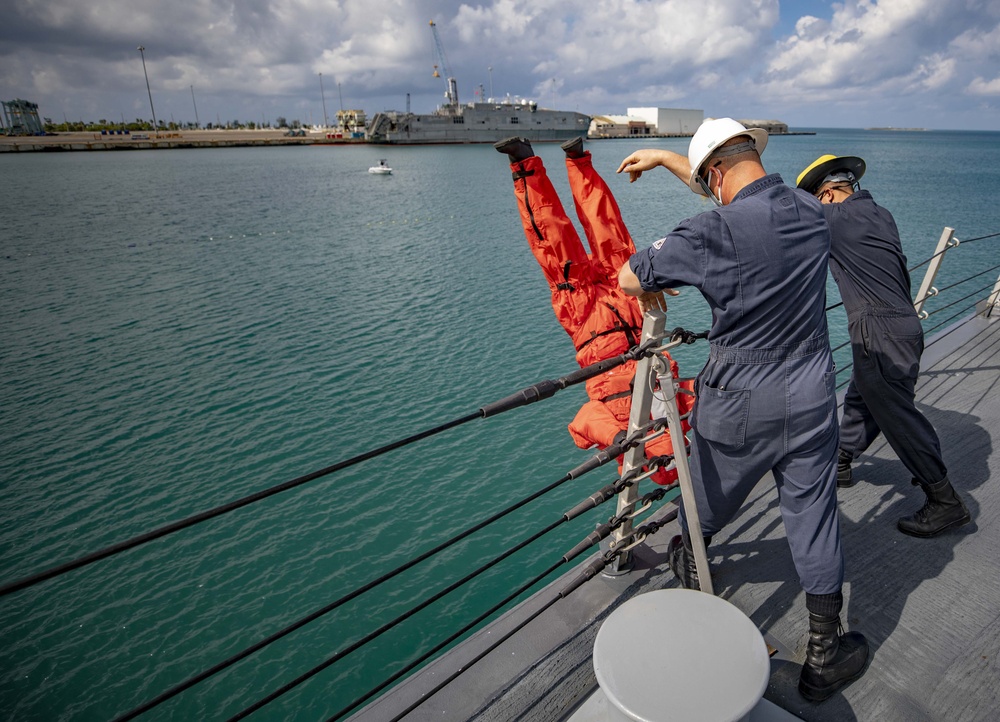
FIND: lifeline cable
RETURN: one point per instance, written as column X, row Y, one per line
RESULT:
column 952, row 318
column 444, row 643
column 287, row 687
column 924, row 263
column 577, row 510
column 602, row 457
column 536, row 392
column 588, row 573
column 122, row 546
column 964, row 280
column 950, row 246
column 980, row 238
column 963, row 298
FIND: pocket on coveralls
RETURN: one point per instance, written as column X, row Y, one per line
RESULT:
column 721, row 416
column 900, row 354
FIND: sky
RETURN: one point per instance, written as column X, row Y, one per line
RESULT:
column 853, row 64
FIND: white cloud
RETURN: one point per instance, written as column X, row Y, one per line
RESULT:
column 981, row 86
column 252, row 56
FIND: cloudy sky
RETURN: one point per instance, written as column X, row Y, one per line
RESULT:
column 810, row 63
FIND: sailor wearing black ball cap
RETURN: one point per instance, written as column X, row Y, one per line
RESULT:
column 867, row 262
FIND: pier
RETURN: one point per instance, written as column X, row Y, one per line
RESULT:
column 172, row 139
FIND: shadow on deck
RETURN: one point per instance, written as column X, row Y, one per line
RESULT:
column 929, row 607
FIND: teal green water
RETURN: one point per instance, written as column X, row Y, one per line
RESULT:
column 180, row 329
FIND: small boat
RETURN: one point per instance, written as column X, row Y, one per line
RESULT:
column 381, row 168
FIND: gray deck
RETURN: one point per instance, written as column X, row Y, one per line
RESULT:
column 929, row 607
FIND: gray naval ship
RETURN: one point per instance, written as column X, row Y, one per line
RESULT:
column 482, row 122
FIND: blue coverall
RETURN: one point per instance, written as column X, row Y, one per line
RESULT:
column 767, row 395
column 867, row 262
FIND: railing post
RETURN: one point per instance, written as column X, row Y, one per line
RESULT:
column 927, row 290
column 668, row 386
column 994, row 300
column 642, row 400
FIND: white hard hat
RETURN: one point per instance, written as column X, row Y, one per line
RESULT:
column 710, row 136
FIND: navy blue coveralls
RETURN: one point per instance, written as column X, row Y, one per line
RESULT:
column 766, row 398
column 867, row 262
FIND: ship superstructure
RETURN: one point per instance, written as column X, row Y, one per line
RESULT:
column 477, row 122
column 485, row 122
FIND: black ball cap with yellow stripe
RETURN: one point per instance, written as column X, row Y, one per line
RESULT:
column 812, row 177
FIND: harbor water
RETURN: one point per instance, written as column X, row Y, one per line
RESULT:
column 183, row 328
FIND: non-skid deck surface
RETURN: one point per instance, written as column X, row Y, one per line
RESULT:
column 929, row 607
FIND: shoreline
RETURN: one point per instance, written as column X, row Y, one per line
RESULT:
column 91, row 141
column 167, row 140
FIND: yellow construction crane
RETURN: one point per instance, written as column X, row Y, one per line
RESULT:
column 451, row 86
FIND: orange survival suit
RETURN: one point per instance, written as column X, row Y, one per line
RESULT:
column 601, row 320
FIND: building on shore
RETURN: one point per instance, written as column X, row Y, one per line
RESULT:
column 619, row 126
column 352, row 123
column 670, row 121
column 647, row 122
column 20, row 117
column 773, row 127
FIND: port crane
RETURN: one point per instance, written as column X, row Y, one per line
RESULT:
column 451, row 91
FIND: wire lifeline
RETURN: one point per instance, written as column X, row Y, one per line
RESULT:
column 588, row 573
column 952, row 318
column 427, row 602
column 190, row 521
column 444, row 643
column 482, row 617
column 190, row 682
column 389, row 625
column 963, row 298
column 980, row 238
column 911, row 269
column 926, row 331
column 964, row 280
column 531, row 394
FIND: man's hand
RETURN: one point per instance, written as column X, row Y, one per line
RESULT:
column 655, row 300
column 641, row 160
column 649, row 158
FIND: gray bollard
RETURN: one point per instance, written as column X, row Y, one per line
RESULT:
column 679, row 654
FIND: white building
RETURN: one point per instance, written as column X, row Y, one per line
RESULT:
column 669, row 121
column 618, row 126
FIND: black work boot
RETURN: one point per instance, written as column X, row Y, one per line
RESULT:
column 680, row 557
column 844, row 480
column 943, row 510
column 573, row 148
column 832, row 659
column 517, row 149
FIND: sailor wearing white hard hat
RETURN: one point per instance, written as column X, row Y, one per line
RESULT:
column 709, row 143
column 766, row 398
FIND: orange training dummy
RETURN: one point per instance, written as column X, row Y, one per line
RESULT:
column 600, row 319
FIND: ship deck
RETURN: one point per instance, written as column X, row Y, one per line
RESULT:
column 930, row 608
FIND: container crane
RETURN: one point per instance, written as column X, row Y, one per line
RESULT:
column 451, row 91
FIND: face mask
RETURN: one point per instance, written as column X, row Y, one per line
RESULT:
column 708, row 191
